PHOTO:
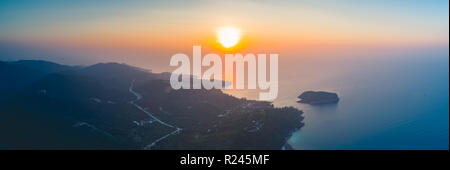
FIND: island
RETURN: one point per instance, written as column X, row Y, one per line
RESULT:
column 318, row 97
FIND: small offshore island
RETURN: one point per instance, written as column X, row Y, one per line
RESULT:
column 318, row 97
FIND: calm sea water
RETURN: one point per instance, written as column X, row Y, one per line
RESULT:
column 398, row 102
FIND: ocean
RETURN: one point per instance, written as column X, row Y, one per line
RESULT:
column 386, row 102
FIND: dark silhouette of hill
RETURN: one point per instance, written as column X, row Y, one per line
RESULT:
column 90, row 107
column 115, row 70
column 19, row 74
column 42, row 66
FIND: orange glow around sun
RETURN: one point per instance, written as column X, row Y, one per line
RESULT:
column 227, row 40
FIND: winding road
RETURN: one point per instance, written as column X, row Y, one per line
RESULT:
column 139, row 97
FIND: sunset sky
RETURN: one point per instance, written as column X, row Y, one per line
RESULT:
column 143, row 32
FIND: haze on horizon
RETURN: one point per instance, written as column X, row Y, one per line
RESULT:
column 146, row 34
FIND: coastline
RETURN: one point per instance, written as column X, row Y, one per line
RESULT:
column 287, row 146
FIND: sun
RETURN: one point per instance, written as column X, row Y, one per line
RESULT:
column 228, row 36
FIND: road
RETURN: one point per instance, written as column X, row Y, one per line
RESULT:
column 139, row 97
